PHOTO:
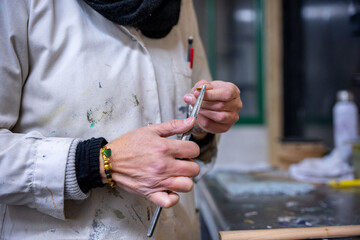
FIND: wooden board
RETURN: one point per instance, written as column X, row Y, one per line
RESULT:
column 292, row 233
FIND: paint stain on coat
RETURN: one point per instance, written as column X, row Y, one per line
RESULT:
column 136, row 101
column 47, row 118
column 52, row 197
column 99, row 228
column 183, row 109
column 148, row 213
column 119, row 214
column 101, row 112
column 137, row 215
column 115, row 192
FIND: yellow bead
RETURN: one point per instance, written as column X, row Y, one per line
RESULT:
column 107, row 167
column 106, row 161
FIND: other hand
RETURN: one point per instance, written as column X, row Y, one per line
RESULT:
column 220, row 107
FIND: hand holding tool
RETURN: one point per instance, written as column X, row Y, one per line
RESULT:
column 185, row 137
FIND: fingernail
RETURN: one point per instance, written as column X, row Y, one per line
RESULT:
column 188, row 98
column 189, row 120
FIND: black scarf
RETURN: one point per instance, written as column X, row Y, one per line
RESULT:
column 155, row 18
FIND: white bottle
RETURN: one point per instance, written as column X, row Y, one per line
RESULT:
column 345, row 116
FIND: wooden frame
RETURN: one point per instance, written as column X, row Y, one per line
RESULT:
column 274, row 78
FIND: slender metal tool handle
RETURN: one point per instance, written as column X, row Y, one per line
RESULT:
column 154, row 221
column 184, row 137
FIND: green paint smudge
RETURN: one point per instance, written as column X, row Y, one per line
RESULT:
column 119, row 214
column 98, row 113
column 136, row 100
column 115, row 193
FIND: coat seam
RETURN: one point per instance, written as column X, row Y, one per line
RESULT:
column 3, row 222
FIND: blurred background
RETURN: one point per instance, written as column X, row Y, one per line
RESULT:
column 289, row 58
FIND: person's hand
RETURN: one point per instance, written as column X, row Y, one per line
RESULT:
column 220, row 107
column 147, row 163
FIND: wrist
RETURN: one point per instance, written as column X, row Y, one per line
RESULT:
column 87, row 164
column 105, row 153
column 101, row 168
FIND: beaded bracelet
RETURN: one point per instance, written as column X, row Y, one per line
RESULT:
column 106, row 153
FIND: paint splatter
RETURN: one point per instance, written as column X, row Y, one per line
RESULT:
column 137, row 215
column 119, row 214
column 99, row 229
column 52, row 197
column 136, row 101
column 249, row 214
column 302, row 222
column 183, row 109
column 47, row 118
column 292, row 204
column 249, row 221
column 98, row 212
column 289, row 213
column 240, row 185
column 148, row 213
column 115, row 192
column 97, row 114
column 85, row 92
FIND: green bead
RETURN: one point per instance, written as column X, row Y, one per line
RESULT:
column 107, row 152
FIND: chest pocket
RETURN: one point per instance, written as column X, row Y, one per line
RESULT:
column 183, row 85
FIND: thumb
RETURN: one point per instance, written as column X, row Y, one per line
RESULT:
column 176, row 126
column 164, row 199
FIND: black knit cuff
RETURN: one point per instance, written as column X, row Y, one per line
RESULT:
column 87, row 163
column 205, row 141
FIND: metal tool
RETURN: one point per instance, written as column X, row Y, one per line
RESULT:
column 185, row 137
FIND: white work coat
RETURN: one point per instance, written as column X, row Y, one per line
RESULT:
column 68, row 73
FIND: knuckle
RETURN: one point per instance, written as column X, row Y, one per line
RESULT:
column 236, row 118
column 221, row 105
column 159, row 167
column 150, row 183
column 221, row 117
column 228, row 94
column 206, row 124
column 240, row 105
column 236, row 90
column 196, row 170
column 162, row 148
column 195, row 149
column 189, row 186
column 167, row 204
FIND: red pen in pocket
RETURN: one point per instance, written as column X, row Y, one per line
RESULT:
column 191, row 57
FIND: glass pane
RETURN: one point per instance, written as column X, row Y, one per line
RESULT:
column 235, row 42
column 236, row 49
